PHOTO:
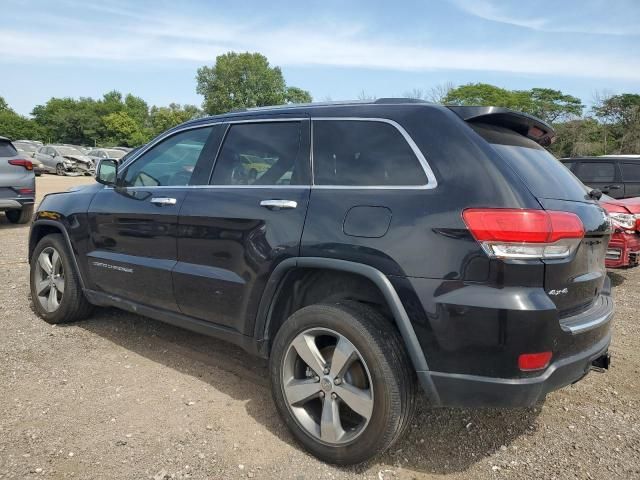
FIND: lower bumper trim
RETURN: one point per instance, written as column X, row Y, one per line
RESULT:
column 462, row 390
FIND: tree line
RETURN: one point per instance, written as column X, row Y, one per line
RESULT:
column 243, row 80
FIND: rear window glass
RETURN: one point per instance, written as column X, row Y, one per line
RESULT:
column 542, row 173
column 363, row 153
column 7, row 150
column 631, row 172
column 597, row 172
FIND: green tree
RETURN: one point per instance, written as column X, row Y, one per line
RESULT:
column 553, row 105
column 243, row 80
column 122, row 129
column 163, row 118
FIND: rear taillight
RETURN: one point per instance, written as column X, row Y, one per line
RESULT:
column 22, row 163
column 514, row 233
column 528, row 362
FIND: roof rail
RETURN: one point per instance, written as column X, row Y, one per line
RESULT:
column 396, row 100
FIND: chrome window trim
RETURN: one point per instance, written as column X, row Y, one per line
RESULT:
column 431, row 178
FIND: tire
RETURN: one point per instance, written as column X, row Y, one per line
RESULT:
column 23, row 215
column 70, row 304
column 60, row 169
column 389, row 382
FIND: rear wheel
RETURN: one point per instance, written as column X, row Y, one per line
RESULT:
column 23, row 215
column 60, row 169
column 342, row 381
column 55, row 287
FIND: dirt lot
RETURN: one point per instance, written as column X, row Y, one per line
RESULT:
column 121, row 396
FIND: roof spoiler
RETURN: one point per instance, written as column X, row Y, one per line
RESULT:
column 522, row 123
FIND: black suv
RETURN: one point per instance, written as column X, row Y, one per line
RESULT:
column 357, row 246
column 615, row 175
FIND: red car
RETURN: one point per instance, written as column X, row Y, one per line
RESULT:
column 624, row 247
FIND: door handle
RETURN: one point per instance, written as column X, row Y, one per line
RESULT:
column 161, row 201
column 613, row 187
column 278, row 204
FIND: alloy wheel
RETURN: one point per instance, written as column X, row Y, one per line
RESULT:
column 327, row 386
column 49, row 279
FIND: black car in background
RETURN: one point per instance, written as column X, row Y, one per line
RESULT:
column 615, row 175
column 359, row 247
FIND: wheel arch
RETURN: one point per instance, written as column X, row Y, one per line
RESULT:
column 274, row 291
column 42, row 228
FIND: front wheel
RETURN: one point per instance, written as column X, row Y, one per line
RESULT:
column 60, row 169
column 55, row 287
column 342, row 381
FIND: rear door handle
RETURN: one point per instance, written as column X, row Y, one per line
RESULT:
column 278, row 204
column 161, row 201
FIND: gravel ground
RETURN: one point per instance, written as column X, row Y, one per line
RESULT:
column 122, row 396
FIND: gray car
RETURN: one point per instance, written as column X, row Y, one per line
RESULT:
column 63, row 159
column 97, row 154
column 17, row 184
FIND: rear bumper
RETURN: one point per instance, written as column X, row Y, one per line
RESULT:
column 623, row 250
column 14, row 203
column 456, row 390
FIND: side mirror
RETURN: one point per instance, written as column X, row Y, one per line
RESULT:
column 107, row 172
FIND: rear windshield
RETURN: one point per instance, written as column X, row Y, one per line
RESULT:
column 6, row 149
column 544, row 174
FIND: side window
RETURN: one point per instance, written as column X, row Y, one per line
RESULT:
column 597, row 172
column 169, row 163
column 570, row 165
column 630, row 172
column 262, row 154
column 363, row 153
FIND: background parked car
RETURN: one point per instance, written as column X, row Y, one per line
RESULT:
column 17, row 184
column 615, row 175
column 97, row 154
column 624, row 246
column 61, row 159
column 28, row 150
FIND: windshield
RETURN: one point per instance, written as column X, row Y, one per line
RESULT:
column 69, row 151
column 544, row 174
column 115, row 153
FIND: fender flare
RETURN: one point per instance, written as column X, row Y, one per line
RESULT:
column 60, row 226
column 394, row 303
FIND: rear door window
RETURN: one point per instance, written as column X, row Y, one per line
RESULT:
column 6, row 149
column 263, row 153
column 597, row 172
column 363, row 153
column 542, row 173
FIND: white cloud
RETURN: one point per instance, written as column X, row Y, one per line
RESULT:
column 520, row 16
column 174, row 38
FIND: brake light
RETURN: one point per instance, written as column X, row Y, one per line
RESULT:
column 528, row 362
column 517, row 233
column 25, row 191
column 22, row 163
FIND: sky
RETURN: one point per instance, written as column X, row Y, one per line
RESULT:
column 335, row 49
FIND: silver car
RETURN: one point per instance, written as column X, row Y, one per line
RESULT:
column 63, row 159
column 97, row 154
column 17, row 184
